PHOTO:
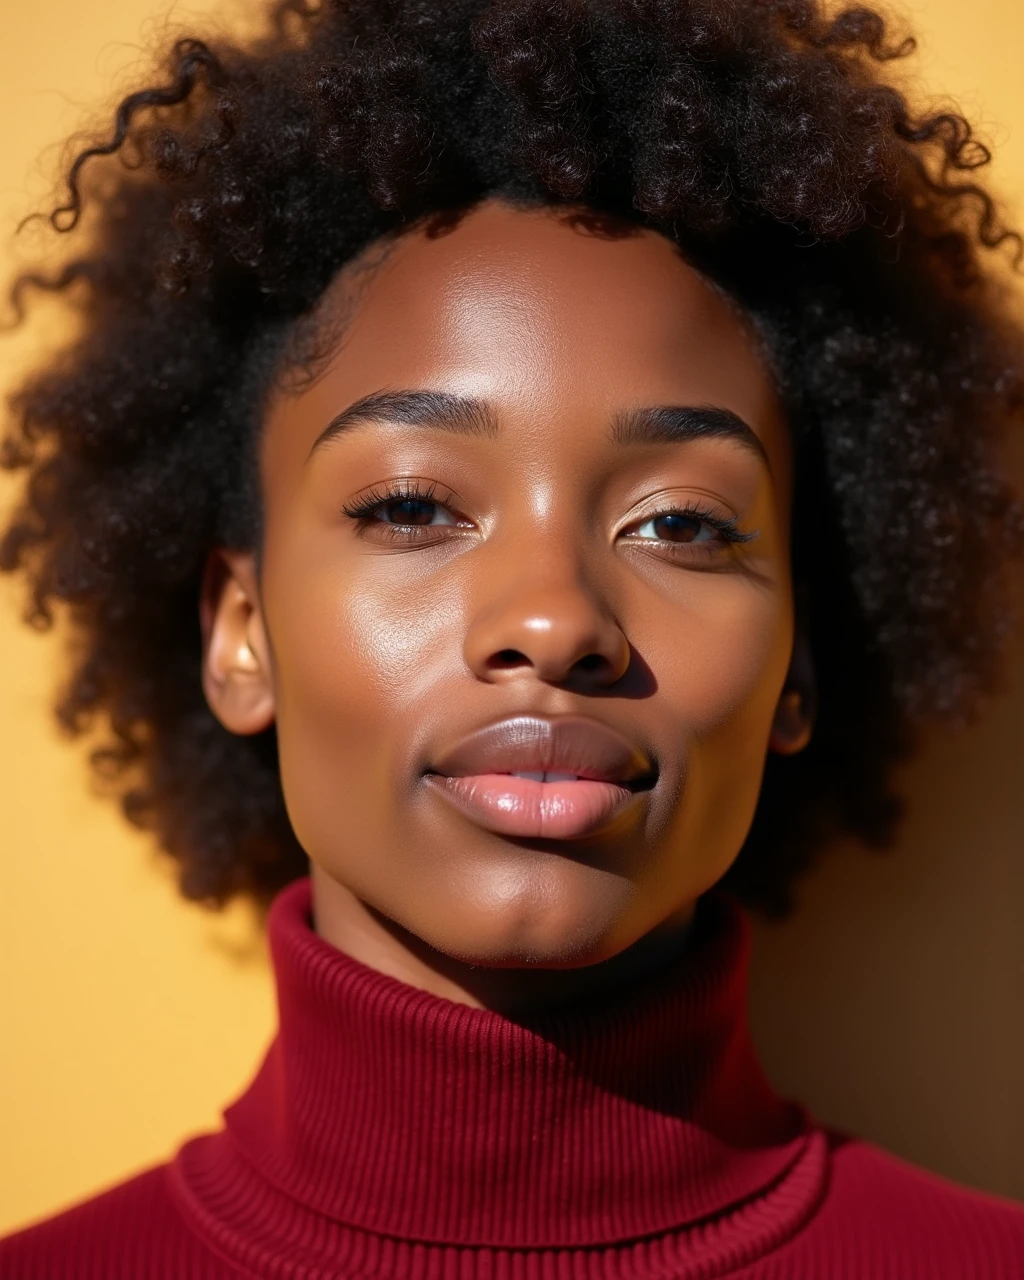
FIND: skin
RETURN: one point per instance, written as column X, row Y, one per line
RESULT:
column 536, row 582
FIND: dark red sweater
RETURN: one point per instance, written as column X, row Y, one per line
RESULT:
column 393, row 1133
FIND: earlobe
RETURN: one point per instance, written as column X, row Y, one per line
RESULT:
column 236, row 661
column 797, row 706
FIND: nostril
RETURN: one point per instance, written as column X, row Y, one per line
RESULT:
column 508, row 658
column 592, row 661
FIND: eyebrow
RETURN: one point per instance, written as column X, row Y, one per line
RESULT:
column 463, row 415
column 469, row 416
column 673, row 424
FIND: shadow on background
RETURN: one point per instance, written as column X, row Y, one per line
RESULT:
column 892, row 1001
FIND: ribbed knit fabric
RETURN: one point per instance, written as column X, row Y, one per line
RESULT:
column 391, row 1133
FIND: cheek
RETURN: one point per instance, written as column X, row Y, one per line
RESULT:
column 721, row 660
column 356, row 656
column 720, row 663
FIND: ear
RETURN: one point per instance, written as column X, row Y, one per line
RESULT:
column 236, row 670
column 798, row 701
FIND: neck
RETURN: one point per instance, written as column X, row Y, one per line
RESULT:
column 365, row 934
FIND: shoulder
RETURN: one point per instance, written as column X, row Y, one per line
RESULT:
column 886, row 1219
column 128, row 1231
column 883, row 1183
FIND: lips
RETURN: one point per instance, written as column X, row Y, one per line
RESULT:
column 529, row 744
column 597, row 775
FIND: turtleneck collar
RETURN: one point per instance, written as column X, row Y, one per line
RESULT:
column 384, row 1109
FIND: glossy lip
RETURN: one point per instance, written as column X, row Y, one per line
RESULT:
column 564, row 744
column 474, row 776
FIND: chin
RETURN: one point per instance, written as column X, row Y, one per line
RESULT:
column 534, row 925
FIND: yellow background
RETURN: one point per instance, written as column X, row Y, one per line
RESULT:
column 891, row 1003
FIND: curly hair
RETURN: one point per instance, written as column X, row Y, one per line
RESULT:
column 763, row 136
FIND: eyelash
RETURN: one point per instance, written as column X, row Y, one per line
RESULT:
column 726, row 526
column 400, row 491
column 407, row 491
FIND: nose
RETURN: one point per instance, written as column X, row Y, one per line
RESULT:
column 550, row 623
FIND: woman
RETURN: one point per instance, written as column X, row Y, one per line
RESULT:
column 576, row 429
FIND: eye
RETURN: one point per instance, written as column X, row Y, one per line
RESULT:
column 403, row 510
column 412, row 511
column 679, row 526
column 691, row 526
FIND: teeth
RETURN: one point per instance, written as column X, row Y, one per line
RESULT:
column 548, row 776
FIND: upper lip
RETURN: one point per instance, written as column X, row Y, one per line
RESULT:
column 530, row 743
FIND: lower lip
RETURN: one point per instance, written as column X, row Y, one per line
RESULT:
column 525, row 807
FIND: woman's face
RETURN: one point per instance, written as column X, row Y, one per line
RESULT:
column 509, row 503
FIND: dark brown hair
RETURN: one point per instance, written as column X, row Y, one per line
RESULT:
column 762, row 136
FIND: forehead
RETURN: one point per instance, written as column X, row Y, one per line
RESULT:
column 552, row 321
